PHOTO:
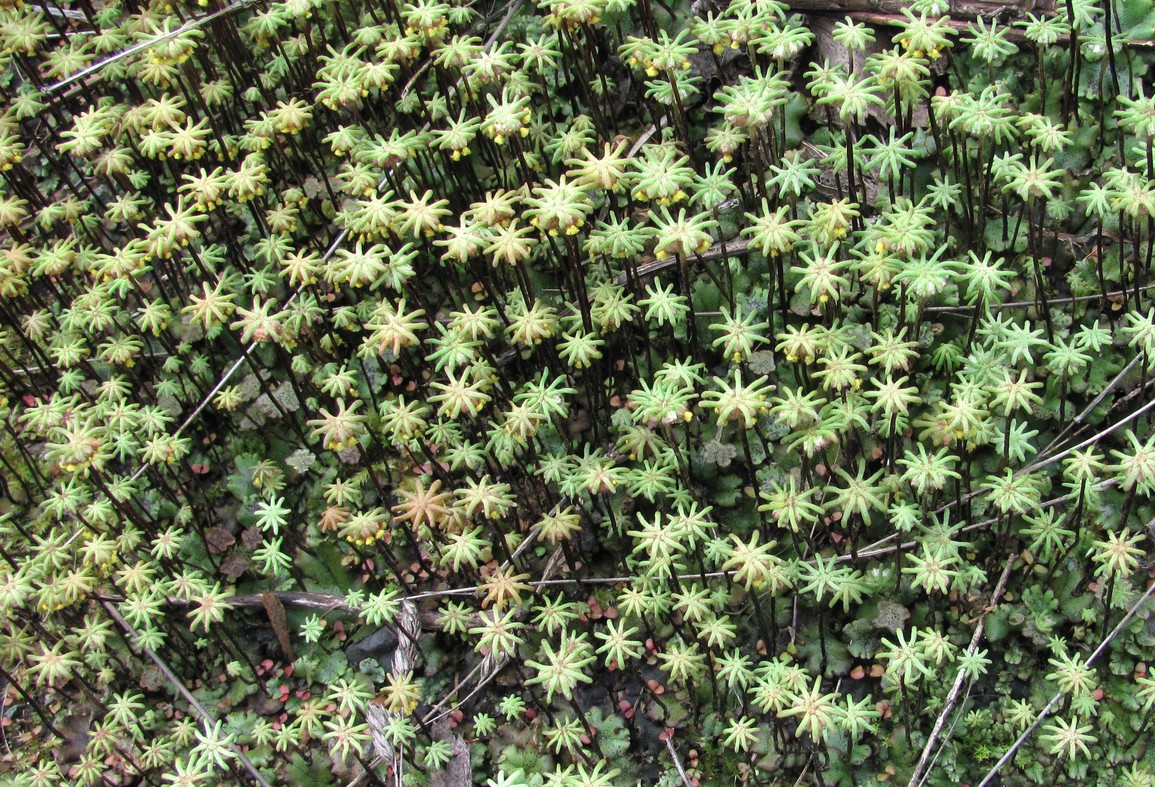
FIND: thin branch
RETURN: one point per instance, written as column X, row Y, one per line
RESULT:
column 1082, row 416
column 889, row 9
column 103, row 63
column 334, row 603
column 959, row 26
column 998, row 766
column 1091, row 440
column 1051, row 301
column 64, row 13
column 432, row 716
column 677, row 762
column 952, row 697
column 1043, row 461
column 171, row 677
column 205, row 401
column 879, row 547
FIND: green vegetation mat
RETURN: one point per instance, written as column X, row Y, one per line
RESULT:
column 591, row 393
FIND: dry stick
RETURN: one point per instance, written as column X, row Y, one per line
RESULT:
column 337, row 603
column 952, row 697
column 1055, row 699
column 328, row 602
column 949, row 733
column 740, row 246
column 879, row 548
column 1053, row 302
column 489, row 665
column 677, row 762
column 1037, row 464
column 958, row 25
column 805, row 768
column 324, row 601
column 1041, row 462
column 25, row 371
column 493, row 666
column 430, row 718
column 1090, row 440
column 1087, row 410
column 526, row 543
column 171, row 677
column 404, row 661
column 961, row 8
column 66, row 13
column 143, row 45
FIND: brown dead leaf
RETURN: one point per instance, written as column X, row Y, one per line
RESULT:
column 252, row 538
column 233, row 566
column 219, row 539
column 279, row 621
